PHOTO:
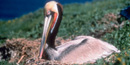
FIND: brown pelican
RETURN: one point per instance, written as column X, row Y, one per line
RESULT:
column 82, row 49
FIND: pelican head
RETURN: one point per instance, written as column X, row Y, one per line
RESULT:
column 53, row 15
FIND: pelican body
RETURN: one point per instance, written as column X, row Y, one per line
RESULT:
column 82, row 49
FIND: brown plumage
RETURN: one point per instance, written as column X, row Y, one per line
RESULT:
column 82, row 49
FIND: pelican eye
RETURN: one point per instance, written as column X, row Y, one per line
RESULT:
column 48, row 12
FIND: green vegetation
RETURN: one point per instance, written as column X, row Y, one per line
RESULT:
column 121, row 39
column 78, row 19
column 6, row 63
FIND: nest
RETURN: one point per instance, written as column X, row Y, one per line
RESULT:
column 25, row 51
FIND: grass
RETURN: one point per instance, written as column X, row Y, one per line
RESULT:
column 78, row 19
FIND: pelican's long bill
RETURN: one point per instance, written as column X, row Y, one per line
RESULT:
column 47, row 25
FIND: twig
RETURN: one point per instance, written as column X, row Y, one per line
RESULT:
column 20, row 59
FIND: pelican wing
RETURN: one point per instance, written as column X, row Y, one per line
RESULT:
column 85, row 49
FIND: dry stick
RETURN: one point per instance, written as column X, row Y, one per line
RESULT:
column 20, row 59
column 21, row 56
